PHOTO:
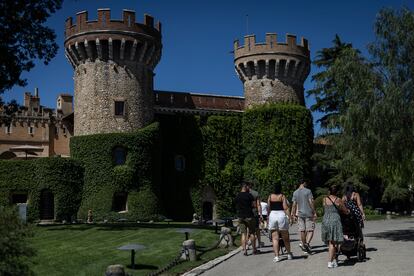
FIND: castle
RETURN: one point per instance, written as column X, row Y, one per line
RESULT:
column 113, row 62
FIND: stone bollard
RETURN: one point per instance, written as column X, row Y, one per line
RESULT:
column 225, row 237
column 115, row 270
column 388, row 215
column 189, row 250
column 236, row 223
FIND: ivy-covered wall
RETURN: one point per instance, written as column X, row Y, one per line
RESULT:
column 62, row 176
column 138, row 177
column 277, row 142
column 223, row 162
column 169, row 165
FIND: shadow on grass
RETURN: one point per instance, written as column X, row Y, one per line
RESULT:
column 123, row 226
column 394, row 235
column 73, row 227
column 142, row 266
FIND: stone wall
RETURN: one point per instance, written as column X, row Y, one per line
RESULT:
column 99, row 84
column 263, row 91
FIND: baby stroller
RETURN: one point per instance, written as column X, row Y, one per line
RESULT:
column 353, row 244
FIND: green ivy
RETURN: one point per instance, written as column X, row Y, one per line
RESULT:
column 223, row 161
column 103, row 178
column 63, row 176
column 277, row 143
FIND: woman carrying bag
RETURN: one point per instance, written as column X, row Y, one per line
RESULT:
column 331, row 229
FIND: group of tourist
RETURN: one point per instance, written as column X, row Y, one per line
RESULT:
column 275, row 217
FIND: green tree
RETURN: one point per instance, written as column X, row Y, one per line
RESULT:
column 331, row 101
column 24, row 38
column 328, row 99
column 375, row 126
column 387, row 143
column 15, row 253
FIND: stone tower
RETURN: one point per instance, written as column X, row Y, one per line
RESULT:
column 113, row 62
column 272, row 71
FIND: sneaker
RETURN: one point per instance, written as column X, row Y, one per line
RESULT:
column 334, row 264
column 276, row 259
column 304, row 249
column 308, row 248
column 289, row 256
column 330, row 265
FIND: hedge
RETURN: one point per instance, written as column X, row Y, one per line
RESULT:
column 137, row 177
column 62, row 176
column 277, row 143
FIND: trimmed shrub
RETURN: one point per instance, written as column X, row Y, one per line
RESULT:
column 62, row 176
column 15, row 252
column 277, row 142
column 107, row 174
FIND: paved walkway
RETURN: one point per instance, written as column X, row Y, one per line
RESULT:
column 390, row 246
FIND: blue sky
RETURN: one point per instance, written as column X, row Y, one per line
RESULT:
column 198, row 38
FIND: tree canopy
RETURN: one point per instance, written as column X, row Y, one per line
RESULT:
column 375, row 114
column 24, row 38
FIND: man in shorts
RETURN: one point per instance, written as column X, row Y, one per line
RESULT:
column 303, row 210
column 244, row 202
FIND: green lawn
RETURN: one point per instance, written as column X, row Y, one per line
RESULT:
column 89, row 249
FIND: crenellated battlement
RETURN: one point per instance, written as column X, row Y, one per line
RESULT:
column 272, row 71
column 271, row 45
column 114, row 61
column 122, row 41
column 105, row 23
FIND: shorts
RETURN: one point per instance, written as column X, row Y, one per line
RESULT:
column 247, row 224
column 306, row 224
column 278, row 221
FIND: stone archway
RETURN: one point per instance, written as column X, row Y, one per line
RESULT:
column 208, row 202
column 47, row 205
column 207, row 210
column 7, row 155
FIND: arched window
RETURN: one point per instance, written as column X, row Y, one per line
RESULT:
column 179, row 163
column 119, row 202
column 119, row 155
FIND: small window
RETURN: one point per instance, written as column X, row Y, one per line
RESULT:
column 119, row 202
column 19, row 198
column 179, row 163
column 222, row 162
column 119, row 155
column 30, row 130
column 8, row 129
column 119, row 108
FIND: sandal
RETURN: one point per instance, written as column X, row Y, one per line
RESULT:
column 256, row 252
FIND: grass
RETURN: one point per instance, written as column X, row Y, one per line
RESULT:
column 89, row 249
